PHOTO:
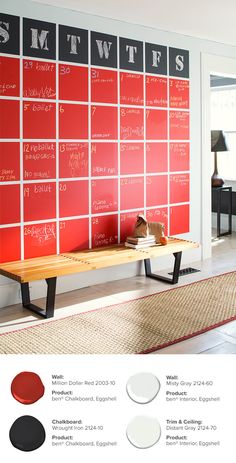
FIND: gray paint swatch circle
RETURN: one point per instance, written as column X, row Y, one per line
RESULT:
column 143, row 387
column 143, row 431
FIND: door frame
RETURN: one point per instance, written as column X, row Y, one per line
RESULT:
column 218, row 65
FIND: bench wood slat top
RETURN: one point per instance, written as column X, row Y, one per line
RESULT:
column 74, row 262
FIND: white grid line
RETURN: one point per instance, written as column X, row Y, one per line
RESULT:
column 119, row 142
column 22, row 247
column 101, row 214
column 90, row 142
column 98, row 177
column 145, row 133
column 168, row 145
column 57, row 150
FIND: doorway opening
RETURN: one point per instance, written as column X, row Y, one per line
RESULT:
column 215, row 71
column 223, row 155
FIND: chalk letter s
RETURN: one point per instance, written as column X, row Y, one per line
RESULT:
column 179, row 59
column 4, row 28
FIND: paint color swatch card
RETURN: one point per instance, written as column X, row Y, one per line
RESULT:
column 108, row 408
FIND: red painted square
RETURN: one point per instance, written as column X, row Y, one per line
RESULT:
column 104, row 122
column 74, row 235
column 179, row 188
column 179, row 219
column 131, row 88
column 73, row 199
column 9, row 244
column 104, row 230
column 179, row 125
column 73, row 83
column 156, row 157
column 156, row 91
column 159, row 215
column 131, row 193
column 9, row 161
column 39, row 201
column 73, row 121
column 9, row 76
column 73, row 159
column 127, row 223
column 179, row 93
column 179, row 156
column 39, row 119
column 156, row 124
column 9, row 204
column 104, row 159
column 40, row 239
column 39, row 160
column 131, row 158
column 131, row 124
column 156, row 190
column 104, row 195
column 9, row 119
column 39, row 79
column 103, row 86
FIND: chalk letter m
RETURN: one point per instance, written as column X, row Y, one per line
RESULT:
column 39, row 40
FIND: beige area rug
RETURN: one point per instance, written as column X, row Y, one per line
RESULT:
column 139, row 326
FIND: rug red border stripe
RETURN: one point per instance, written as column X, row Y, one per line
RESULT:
column 184, row 338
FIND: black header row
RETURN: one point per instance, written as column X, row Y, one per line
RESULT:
column 39, row 41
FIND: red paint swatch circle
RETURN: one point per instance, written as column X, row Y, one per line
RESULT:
column 27, row 387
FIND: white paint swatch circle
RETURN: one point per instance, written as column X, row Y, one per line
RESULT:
column 143, row 387
column 143, row 431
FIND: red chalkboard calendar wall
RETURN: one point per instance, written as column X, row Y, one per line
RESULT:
column 94, row 129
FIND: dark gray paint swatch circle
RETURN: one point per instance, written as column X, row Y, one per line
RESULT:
column 143, row 387
column 27, row 433
column 143, row 431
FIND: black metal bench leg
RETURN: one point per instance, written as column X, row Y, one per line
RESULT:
column 50, row 301
column 25, row 294
column 175, row 277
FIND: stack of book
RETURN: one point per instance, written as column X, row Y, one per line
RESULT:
column 140, row 243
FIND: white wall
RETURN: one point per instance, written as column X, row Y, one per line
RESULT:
column 9, row 290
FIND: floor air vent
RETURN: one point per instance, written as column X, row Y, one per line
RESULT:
column 186, row 271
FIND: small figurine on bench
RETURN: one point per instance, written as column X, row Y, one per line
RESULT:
column 143, row 228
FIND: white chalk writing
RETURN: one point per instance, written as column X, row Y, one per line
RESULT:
column 41, row 233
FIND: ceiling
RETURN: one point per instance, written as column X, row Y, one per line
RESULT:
column 206, row 19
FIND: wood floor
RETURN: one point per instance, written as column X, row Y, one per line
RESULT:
column 221, row 340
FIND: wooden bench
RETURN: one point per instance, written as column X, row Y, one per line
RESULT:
column 51, row 267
